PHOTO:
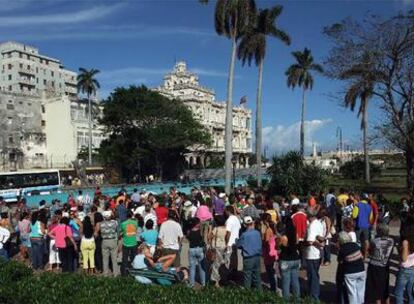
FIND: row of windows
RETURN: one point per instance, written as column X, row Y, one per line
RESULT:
column 26, row 56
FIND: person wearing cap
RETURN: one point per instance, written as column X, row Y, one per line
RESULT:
column 250, row 244
column 363, row 216
column 314, row 243
column 108, row 229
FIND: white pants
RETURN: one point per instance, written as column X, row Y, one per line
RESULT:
column 53, row 254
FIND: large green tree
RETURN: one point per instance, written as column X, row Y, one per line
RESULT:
column 232, row 20
column 253, row 45
column 289, row 173
column 300, row 74
column 391, row 41
column 148, row 133
column 87, row 84
column 363, row 77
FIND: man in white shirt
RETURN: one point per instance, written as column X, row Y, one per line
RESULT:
column 314, row 242
column 294, row 199
column 170, row 237
column 233, row 229
column 4, row 237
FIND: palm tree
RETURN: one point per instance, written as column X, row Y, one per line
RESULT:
column 299, row 74
column 253, row 45
column 232, row 19
column 364, row 77
column 87, row 84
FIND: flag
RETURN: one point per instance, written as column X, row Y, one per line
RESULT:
column 243, row 100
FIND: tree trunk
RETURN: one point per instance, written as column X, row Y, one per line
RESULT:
column 365, row 139
column 90, row 130
column 302, row 126
column 229, row 120
column 259, row 126
column 409, row 156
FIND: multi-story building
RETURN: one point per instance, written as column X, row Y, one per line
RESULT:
column 43, row 122
column 25, row 71
column 184, row 85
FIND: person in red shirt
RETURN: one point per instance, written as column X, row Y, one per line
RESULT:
column 162, row 213
column 299, row 220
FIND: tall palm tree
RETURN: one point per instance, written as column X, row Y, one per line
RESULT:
column 253, row 45
column 232, row 20
column 364, row 77
column 299, row 74
column 87, row 84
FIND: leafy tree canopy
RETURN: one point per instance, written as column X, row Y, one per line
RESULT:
column 354, row 169
column 148, row 133
column 290, row 174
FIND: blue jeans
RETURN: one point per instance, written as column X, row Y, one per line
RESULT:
column 289, row 271
column 3, row 254
column 38, row 251
column 196, row 256
column 405, row 282
column 355, row 286
column 312, row 270
column 251, row 272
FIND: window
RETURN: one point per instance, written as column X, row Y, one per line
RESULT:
column 21, row 65
column 43, row 109
column 10, row 107
column 10, row 66
column 10, row 87
column 28, row 67
column 9, row 120
column 10, row 101
column 41, row 60
column 10, row 77
column 11, row 140
column 44, row 81
column 20, row 102
column 43, row 123
column 37, row 80
column 29, row 104
column 20, row 55
column 47, row 62
column 52, row 73
column 37, row 70
column 53, row 84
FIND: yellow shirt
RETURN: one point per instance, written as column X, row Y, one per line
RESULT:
column 341, row 199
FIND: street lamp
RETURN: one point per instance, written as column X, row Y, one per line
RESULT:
column 234, row 162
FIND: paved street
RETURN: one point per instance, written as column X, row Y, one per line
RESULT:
column 327, row 273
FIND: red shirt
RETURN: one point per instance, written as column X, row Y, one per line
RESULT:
column 299, row 220
column 374, row 207
column 162, row 214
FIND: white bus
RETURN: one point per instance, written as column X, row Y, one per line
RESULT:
column 19, row 183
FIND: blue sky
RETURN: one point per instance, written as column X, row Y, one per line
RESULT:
column 134, row 42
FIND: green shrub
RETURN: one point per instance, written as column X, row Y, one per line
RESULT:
column 47, row 288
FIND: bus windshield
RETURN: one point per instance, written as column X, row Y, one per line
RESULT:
column 27, row 180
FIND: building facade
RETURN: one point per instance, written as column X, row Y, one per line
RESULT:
column 25, row 71
column 184, row 85
column 43, row 122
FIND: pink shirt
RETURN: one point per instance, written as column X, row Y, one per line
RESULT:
column 60, row 232
column 203, row 213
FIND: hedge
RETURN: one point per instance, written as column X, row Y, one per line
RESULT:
column 18, row 284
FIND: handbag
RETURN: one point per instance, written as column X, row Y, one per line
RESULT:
column 211, row 253
column 68, row 241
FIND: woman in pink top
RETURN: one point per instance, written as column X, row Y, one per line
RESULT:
column 66, row 254
column 205, row 216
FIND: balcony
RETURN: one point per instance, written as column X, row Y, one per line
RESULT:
column 25, row 70
column 27, row 81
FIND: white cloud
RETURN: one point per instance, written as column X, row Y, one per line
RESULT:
column 62, row 18
column 284, row 138
column 107, row 32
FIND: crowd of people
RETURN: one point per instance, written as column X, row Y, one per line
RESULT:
column 140, row 230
